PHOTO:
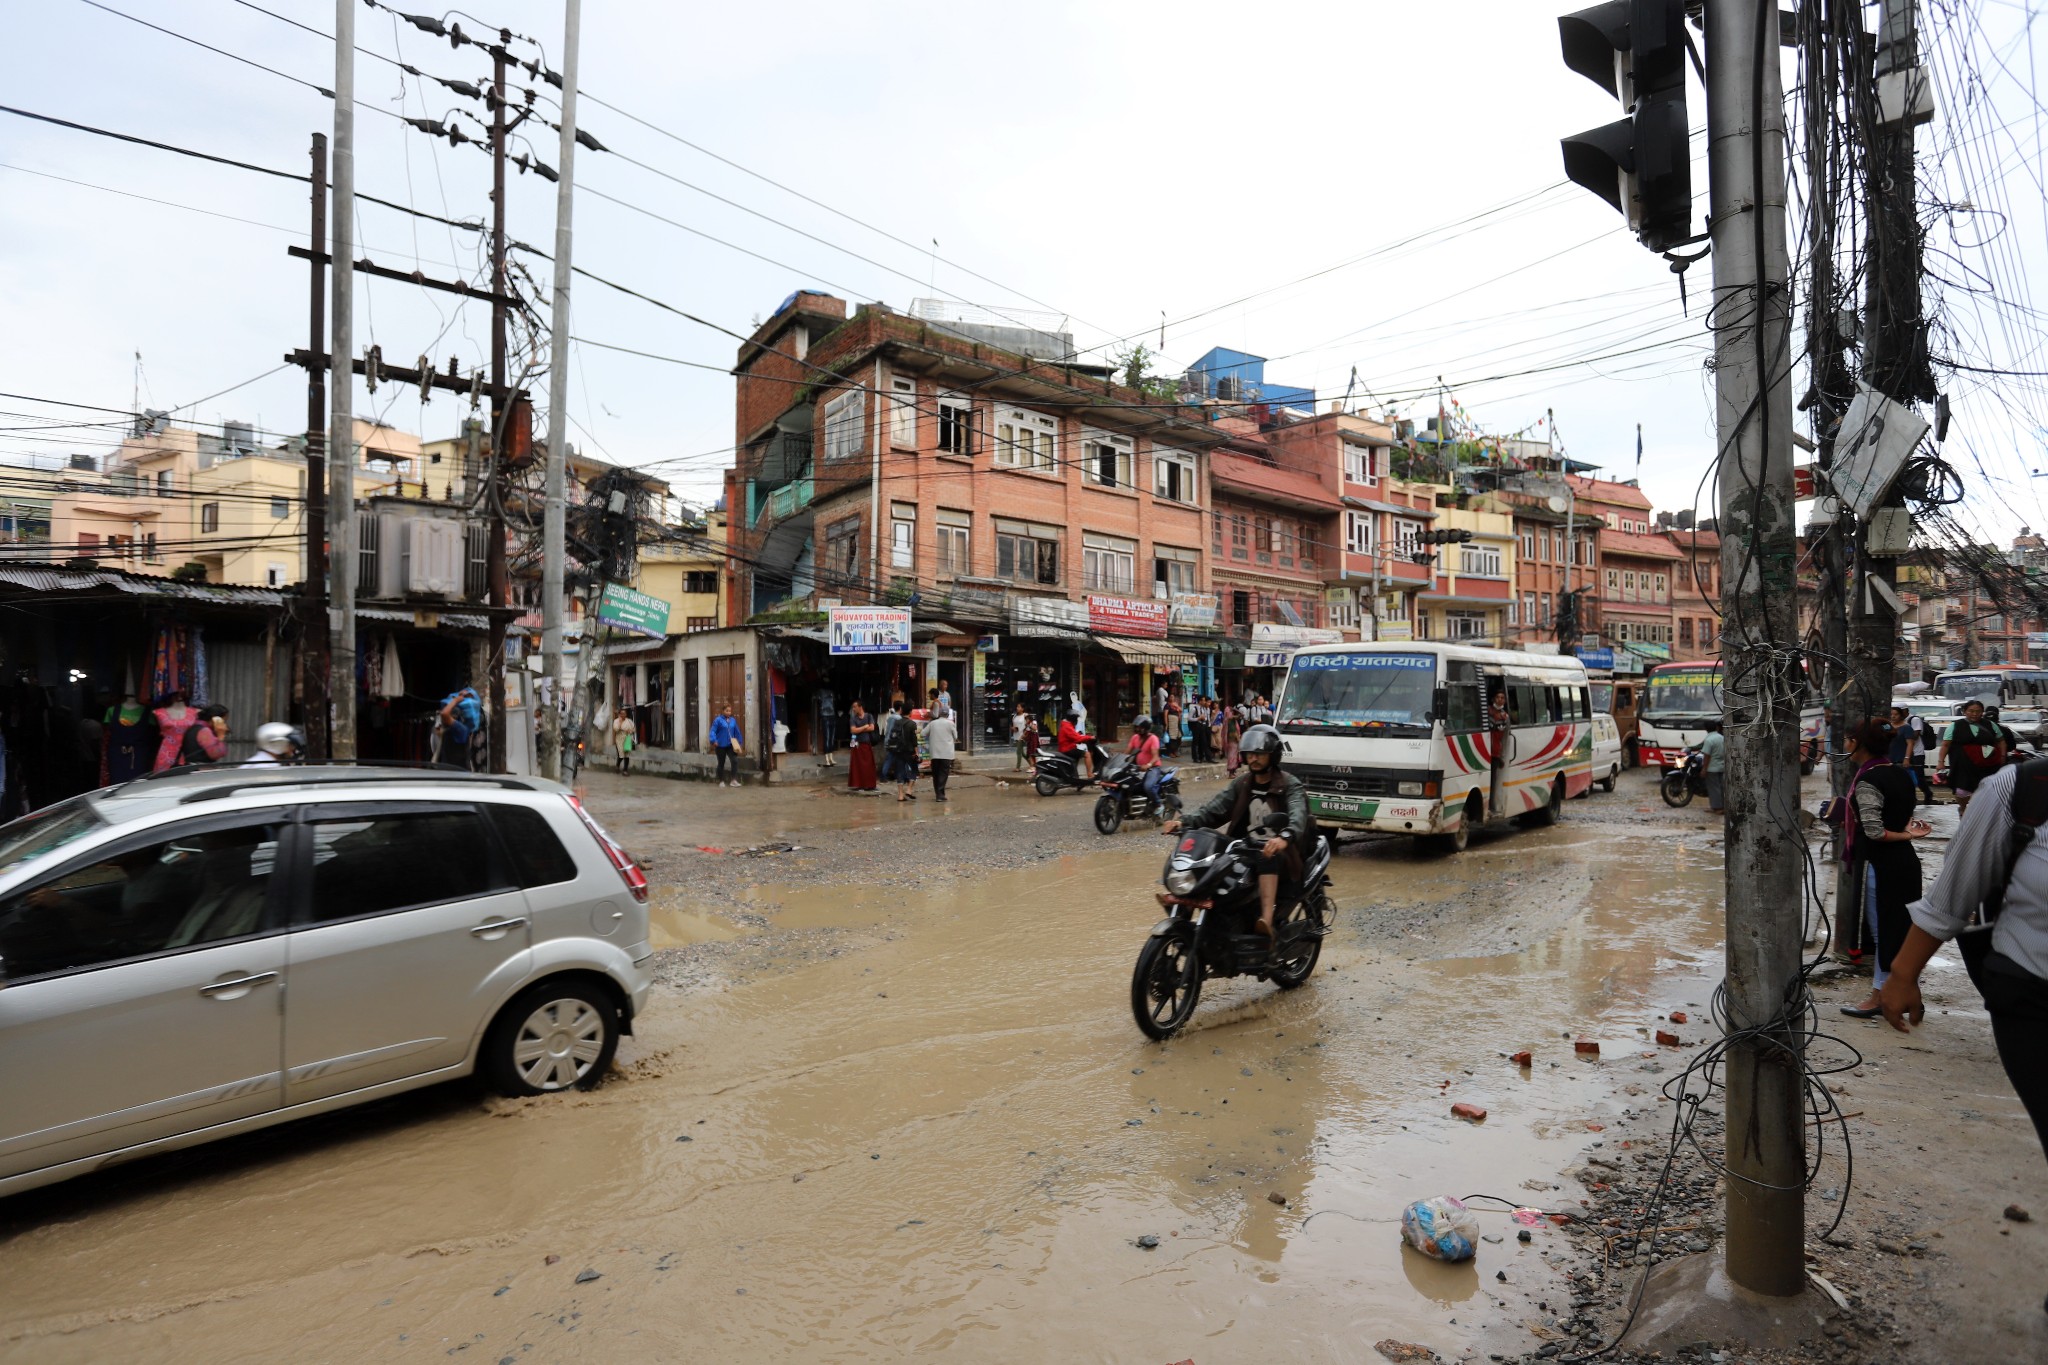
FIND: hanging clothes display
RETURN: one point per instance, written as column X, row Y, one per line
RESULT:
column 130, row 743
column 392, row 683
column 171, row 724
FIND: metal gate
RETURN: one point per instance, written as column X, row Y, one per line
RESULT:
column 234, row 679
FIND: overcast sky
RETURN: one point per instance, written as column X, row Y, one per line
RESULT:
column 1104, row 161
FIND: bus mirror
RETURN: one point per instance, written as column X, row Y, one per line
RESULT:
column 1439, row 704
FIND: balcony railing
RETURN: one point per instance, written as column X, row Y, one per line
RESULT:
column 784, row 502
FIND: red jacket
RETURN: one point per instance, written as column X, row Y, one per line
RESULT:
column 1069, row 738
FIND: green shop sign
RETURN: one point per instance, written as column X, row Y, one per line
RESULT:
column 625, row 609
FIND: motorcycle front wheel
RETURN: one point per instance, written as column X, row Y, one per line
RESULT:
column 1675, row 790
column 1166, row 984
column 1047, row 786
column 1109, row 814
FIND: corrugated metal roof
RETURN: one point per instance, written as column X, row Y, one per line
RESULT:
column 405, row 616
column 55, row 578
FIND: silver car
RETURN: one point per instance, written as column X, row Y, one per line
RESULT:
column 194, row 955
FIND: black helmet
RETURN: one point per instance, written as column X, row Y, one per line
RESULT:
column 1260, row 739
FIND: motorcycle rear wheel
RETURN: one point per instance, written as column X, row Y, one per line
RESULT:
column 1047, row 786
column 1166, row 984
column 1675, row 789
column 1109, row 814
column 1300, row 963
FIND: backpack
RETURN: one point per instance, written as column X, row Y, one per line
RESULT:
column 2027, row 812
column 903, row 738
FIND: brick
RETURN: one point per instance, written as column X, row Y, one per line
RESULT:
column 1586, row 1047
column 1471, row 1113
column 1521, row 1058
column 1669, row 1039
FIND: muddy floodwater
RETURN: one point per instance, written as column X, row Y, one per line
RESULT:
column 934, row 1130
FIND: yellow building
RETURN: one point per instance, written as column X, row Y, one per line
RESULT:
column 685, row 574
column 1472, row 597
column 173, row 496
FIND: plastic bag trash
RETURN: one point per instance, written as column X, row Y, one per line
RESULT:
column 1528, row 1218
column 1442, row 1228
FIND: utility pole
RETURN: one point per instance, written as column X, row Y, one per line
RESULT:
column 554, row 537
column 314, row 652
column 1746, row 165
column 1895, row 352
column 496, row 570
column 341, row 436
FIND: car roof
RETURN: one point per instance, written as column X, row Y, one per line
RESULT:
column 179, row 787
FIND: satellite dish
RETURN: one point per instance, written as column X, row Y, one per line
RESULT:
column 1557, row 504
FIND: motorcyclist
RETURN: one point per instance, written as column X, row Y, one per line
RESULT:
column 1144, row 752
column 276, row 742
column 1230, row 809
column 1071, row 740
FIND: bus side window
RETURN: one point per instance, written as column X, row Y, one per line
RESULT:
column 1465, row 699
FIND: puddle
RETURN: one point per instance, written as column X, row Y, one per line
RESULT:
column 948, row 1144
column 671, row 927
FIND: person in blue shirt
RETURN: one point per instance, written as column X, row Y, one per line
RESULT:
column 461, row 716
column 725, row 743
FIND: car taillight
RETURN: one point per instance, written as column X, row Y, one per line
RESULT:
column 629, row 872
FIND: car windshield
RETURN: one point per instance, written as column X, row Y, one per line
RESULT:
column 46, row 830
column 1693, row 693
column 1372, row 693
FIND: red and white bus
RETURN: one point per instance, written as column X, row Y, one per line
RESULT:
column 1678, row 700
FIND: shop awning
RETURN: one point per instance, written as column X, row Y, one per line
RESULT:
column 1157, row 653
column 645, row 654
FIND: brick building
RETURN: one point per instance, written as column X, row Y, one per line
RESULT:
column 1696, row 593
column 1632, row 611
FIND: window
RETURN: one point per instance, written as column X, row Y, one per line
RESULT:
column 1342, row 607
column 956, row 425
column 1173, row 571
column 1108, row 563
column 842, row 548
column 275, row 575
column 88, row 541
column 1106, row 459
column 1529, row 545
column 209, row 516
column 1465, row 625
column 149, row 548
column 700, row 580
column 1529, row 616
column 1422, row 626
column 165, row 485
column 1706, row 634
column 538, row 858
column 1408, row 537
column 1483, row 560
column 1394, row 607
column 1613, row 582
column 1027, row 552
column 1628, row 582
column 1685, row 632
column 1613, row 522
column 1173, row 475
column 1663, row 587
column 1360, row 466
column 1547, row 617
column 1358, row 532
column 844, row 416
column 280, row 508
column 1216, row 532
column 1262, row 534
column 1027, row 440
column 953, row 544
column 902, row 535
column 903, row 413
column 1240, row 526
column 383, row 861
column 1305, row 543
column 197, row 886
column 1240, row 608
column 1514, row 612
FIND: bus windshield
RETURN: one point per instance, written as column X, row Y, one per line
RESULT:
column 1359, row 693
column 1683, row 692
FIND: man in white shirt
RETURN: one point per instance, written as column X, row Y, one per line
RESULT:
column 942, row 739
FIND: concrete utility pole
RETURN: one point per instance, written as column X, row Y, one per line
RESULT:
column 1746, row 167
column 314, row 658
column 554, row 533
column 497, row 572
column 1895, row 353
column 341, row 436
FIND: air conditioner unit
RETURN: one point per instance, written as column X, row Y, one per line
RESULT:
column 434, row 558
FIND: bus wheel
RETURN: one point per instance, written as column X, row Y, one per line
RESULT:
column 1447, row 844
column 1547, row 813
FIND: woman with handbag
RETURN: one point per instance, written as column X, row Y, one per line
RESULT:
column 1878, row 830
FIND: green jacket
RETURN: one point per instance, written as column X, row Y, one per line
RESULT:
column 1221, row 810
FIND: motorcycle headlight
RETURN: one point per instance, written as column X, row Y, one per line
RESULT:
column 1181, row 881
column 1409, row 789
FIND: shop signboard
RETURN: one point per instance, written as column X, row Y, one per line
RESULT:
column 1199, row 610
column 1596, row 658
column 1395, row 631
column 1134, row 617
column 634, row 612
column 869, row 630
column 1269, row 633
column 1048, row 616
column 987, row 644
column 1267, row 658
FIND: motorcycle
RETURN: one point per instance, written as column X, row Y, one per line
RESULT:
column 1212, row 907
column 1123, row 795
column 1682, row 783
column 1057, row 772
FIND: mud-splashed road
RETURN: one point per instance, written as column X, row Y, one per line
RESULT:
column 944, row 1136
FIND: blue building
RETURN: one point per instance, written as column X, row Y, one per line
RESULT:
column 1236, row 377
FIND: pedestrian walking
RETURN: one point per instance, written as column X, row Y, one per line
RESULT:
column 1982, row 880
column 1878, row 830
column 1174, row 715
column 1972, row 752
column 1020, row 723
column 901, row 744
column 625, row 734
column 942, row 739
column 1909, row 750
column 1160, row 697
column 1714, row 745
column 860, row 752
column 725, row 744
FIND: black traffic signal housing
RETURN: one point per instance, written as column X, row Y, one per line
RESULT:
column 1635, row 51
column 1437, row 538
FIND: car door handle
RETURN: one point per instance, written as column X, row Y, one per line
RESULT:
column 496, row 926
column 237, row 985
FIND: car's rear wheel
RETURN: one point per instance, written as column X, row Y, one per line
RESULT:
column 556, row 1035
column 1607, row 782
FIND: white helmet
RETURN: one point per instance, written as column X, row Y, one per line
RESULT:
column 277, row 738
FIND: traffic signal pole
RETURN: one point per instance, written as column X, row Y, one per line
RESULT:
column 1759, row 637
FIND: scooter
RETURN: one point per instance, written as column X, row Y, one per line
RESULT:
column 1058, row 772
column 1123, row 795
column 1682, row 783
column 1212, row 907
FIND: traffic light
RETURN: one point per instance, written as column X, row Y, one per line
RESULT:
column 1635, row 51
column 1438, row 538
